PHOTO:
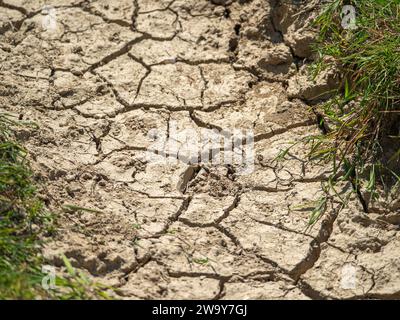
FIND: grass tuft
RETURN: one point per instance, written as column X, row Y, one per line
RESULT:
column 21, row 219
column 361, row 123
column 363, row 120
column 23, row 222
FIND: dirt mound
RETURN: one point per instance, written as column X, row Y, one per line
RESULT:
column 99, row 77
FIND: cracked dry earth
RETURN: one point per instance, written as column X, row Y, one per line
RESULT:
column 111, row 71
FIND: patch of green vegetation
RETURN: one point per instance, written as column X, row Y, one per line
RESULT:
column 136, row 243
column 202, row 261
column 363, row 119
column 70, row 208
column 137, row 226
column 77, row 286
column 23, row 222
column 22, row 218
column 361, row 123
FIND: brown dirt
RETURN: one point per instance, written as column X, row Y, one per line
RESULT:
column 113, row 70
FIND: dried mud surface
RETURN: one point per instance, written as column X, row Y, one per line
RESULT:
column 113, row 70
